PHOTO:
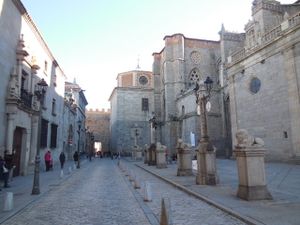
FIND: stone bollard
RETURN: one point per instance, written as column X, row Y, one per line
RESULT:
column 136, row 182
column 8, row 200
column 165, row 215
column 161, row 156
column 70, row 169
column 61, row 173
column 126, row 171
column 249, row 153
column 131, row 176
column 147, row 192
column 184, row 156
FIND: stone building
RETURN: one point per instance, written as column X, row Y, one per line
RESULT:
column 181, row 64
column 75, row 94
column 263, row 78
column 132, row 103
column 98, row 122
column 25, row 60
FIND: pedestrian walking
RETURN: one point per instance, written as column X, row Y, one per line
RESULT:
column 62, row 159
column 8, row 158
column 76, row 157
column 4, row 172
column 48, row 160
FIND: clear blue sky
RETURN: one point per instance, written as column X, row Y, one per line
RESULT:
column 94, row 40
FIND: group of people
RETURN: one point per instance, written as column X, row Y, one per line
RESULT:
column 6, row 166
column 49, row 160
column 62, row 159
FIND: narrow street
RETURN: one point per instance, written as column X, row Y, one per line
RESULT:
column 99, row 193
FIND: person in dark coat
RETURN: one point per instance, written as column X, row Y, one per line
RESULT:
column 4, row 172
column 62, row 159
column 76, row 157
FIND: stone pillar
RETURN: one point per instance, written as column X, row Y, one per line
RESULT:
column 152, row 155
column 146, row 154
column 10, row 132
column 206, row 163
column 184, row 157
column 249, row 154
column 161, row 156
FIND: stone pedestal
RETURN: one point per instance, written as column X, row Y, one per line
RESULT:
column 161, row 156
column 139, row 154
column 152, row 155
column 206, row 160
column 184, row 159
column 251, row 171
column 136, row 153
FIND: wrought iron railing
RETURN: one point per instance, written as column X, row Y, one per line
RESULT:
column 26, row 98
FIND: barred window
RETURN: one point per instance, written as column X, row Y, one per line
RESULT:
column 145, row 104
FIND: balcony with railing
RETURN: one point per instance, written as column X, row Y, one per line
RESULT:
column 26, row 98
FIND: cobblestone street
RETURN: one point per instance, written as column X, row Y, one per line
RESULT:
column 99, row 193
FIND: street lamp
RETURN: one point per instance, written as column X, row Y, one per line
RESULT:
column 206, row 157
column 202, row 98
column 78, row 147
column 40, row 91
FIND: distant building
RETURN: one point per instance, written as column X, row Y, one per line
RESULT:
column 98, row 122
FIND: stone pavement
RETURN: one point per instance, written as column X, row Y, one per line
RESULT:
column 283, row 182
column 185, row 208
column 21, row 187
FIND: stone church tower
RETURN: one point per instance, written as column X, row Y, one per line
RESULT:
column 132, row 103
column 181, row 63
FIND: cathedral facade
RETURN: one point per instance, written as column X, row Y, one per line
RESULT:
column 255, row 87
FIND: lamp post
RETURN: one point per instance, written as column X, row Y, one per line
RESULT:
column 206, row 157
column 40, row 91
column 78, row 147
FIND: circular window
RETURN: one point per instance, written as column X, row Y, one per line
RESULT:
column 255, row 85
column 143, row 80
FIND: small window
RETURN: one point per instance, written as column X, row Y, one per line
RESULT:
column 53, row 107
column 145, row 104
column 45, row 66
column 255, row 85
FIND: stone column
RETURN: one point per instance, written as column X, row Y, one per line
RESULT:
column 10, row 132
column 161, row 156
column 249, row 154
column 184, row 157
